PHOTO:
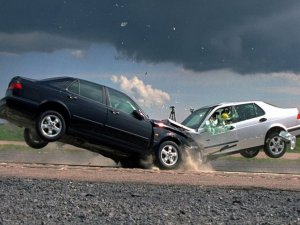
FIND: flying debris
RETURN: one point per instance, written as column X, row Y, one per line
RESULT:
column 124, row 24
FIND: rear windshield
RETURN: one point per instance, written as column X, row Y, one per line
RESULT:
column 60, row 83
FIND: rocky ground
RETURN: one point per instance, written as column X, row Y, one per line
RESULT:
column 60, row 194
column 42, row 201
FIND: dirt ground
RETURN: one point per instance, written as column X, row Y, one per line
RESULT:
column 153, row 176
column 58, row 162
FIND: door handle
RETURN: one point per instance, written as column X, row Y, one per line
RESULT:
column 72, row 97
column 262, row 120
column 115, row 112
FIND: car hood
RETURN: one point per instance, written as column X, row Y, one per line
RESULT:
column 173, row 126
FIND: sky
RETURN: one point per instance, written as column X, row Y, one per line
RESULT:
column 162, row 53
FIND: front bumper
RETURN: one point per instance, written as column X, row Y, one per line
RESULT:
column 289, row 138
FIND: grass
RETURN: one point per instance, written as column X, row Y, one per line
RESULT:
column 10, row 147
column 10, row 132
column 233, row 158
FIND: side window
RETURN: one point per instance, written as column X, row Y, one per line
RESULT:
column 87, row 90
column 222, row 116
column 91, row 91
column 259, row 111
column 74, row 87
column 121, row 102
column 245, row 111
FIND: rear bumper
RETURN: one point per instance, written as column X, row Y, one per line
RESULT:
column 17, row 111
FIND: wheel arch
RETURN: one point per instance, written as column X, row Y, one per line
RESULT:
column 59, row 107
column 169, row 138
column 276, row 128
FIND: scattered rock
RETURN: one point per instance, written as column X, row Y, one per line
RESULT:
column 63, row 202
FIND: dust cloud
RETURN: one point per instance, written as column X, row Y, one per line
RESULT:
column 194, row 162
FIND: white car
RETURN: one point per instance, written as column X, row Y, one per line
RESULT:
column 243, row 127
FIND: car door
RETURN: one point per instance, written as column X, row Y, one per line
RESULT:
column 85, row 101
column 220, row 136
column 251, row 125
column 126, row 125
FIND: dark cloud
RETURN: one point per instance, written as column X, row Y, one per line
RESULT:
column 245, row 36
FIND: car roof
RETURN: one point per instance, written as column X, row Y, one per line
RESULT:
column 224, row 104
column 238, row 103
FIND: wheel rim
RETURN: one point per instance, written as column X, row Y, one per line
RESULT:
column 276, row 145
column 169, row 155
column 51, row 126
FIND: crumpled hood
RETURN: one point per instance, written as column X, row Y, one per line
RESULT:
column 173, row 126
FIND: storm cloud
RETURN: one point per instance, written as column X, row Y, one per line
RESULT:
column 243, row 36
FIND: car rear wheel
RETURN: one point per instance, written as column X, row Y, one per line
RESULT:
column 250, row 153
column 168, row 156
column 275, row 147
column 51, row 126
column 33, row 140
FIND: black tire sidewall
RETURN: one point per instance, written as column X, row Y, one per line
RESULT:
column 32, row 143
column 248, row 156
column 39, row 129
column 268, row 152
column 159, row 161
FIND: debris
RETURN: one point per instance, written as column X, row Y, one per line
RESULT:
column 136, row 195
column 288, row 138
column 124, row 24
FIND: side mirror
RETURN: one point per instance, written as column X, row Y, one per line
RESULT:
column 137, row 114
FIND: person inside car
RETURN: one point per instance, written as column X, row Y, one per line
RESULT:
column 226, row 116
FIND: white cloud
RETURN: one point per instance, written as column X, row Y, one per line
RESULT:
column 79, row 54
column 145, row 94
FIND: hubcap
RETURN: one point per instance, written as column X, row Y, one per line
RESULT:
column 276, row 145
column 169, row 155
column 51, row 126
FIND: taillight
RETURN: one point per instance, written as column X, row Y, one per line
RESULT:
column 298, row 116
column 15, row 86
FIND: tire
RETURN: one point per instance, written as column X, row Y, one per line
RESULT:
column 275, row 147
column 250, row 153
column 168, row 156
column 33, row 140
column 51, row 126
column 130, row 162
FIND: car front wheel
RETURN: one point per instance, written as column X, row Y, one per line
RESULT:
column 51, row 126
column 33, row 140
column 168, row 156
column 275, row 147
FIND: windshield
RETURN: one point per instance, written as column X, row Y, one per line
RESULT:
column 196, row 118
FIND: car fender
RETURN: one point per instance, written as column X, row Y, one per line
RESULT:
column 53, row 102
column 275, row 126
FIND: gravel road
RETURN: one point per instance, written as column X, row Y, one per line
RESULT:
column 43, row 201
column 61, row 194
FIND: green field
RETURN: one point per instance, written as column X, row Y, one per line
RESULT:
column 10, row 132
